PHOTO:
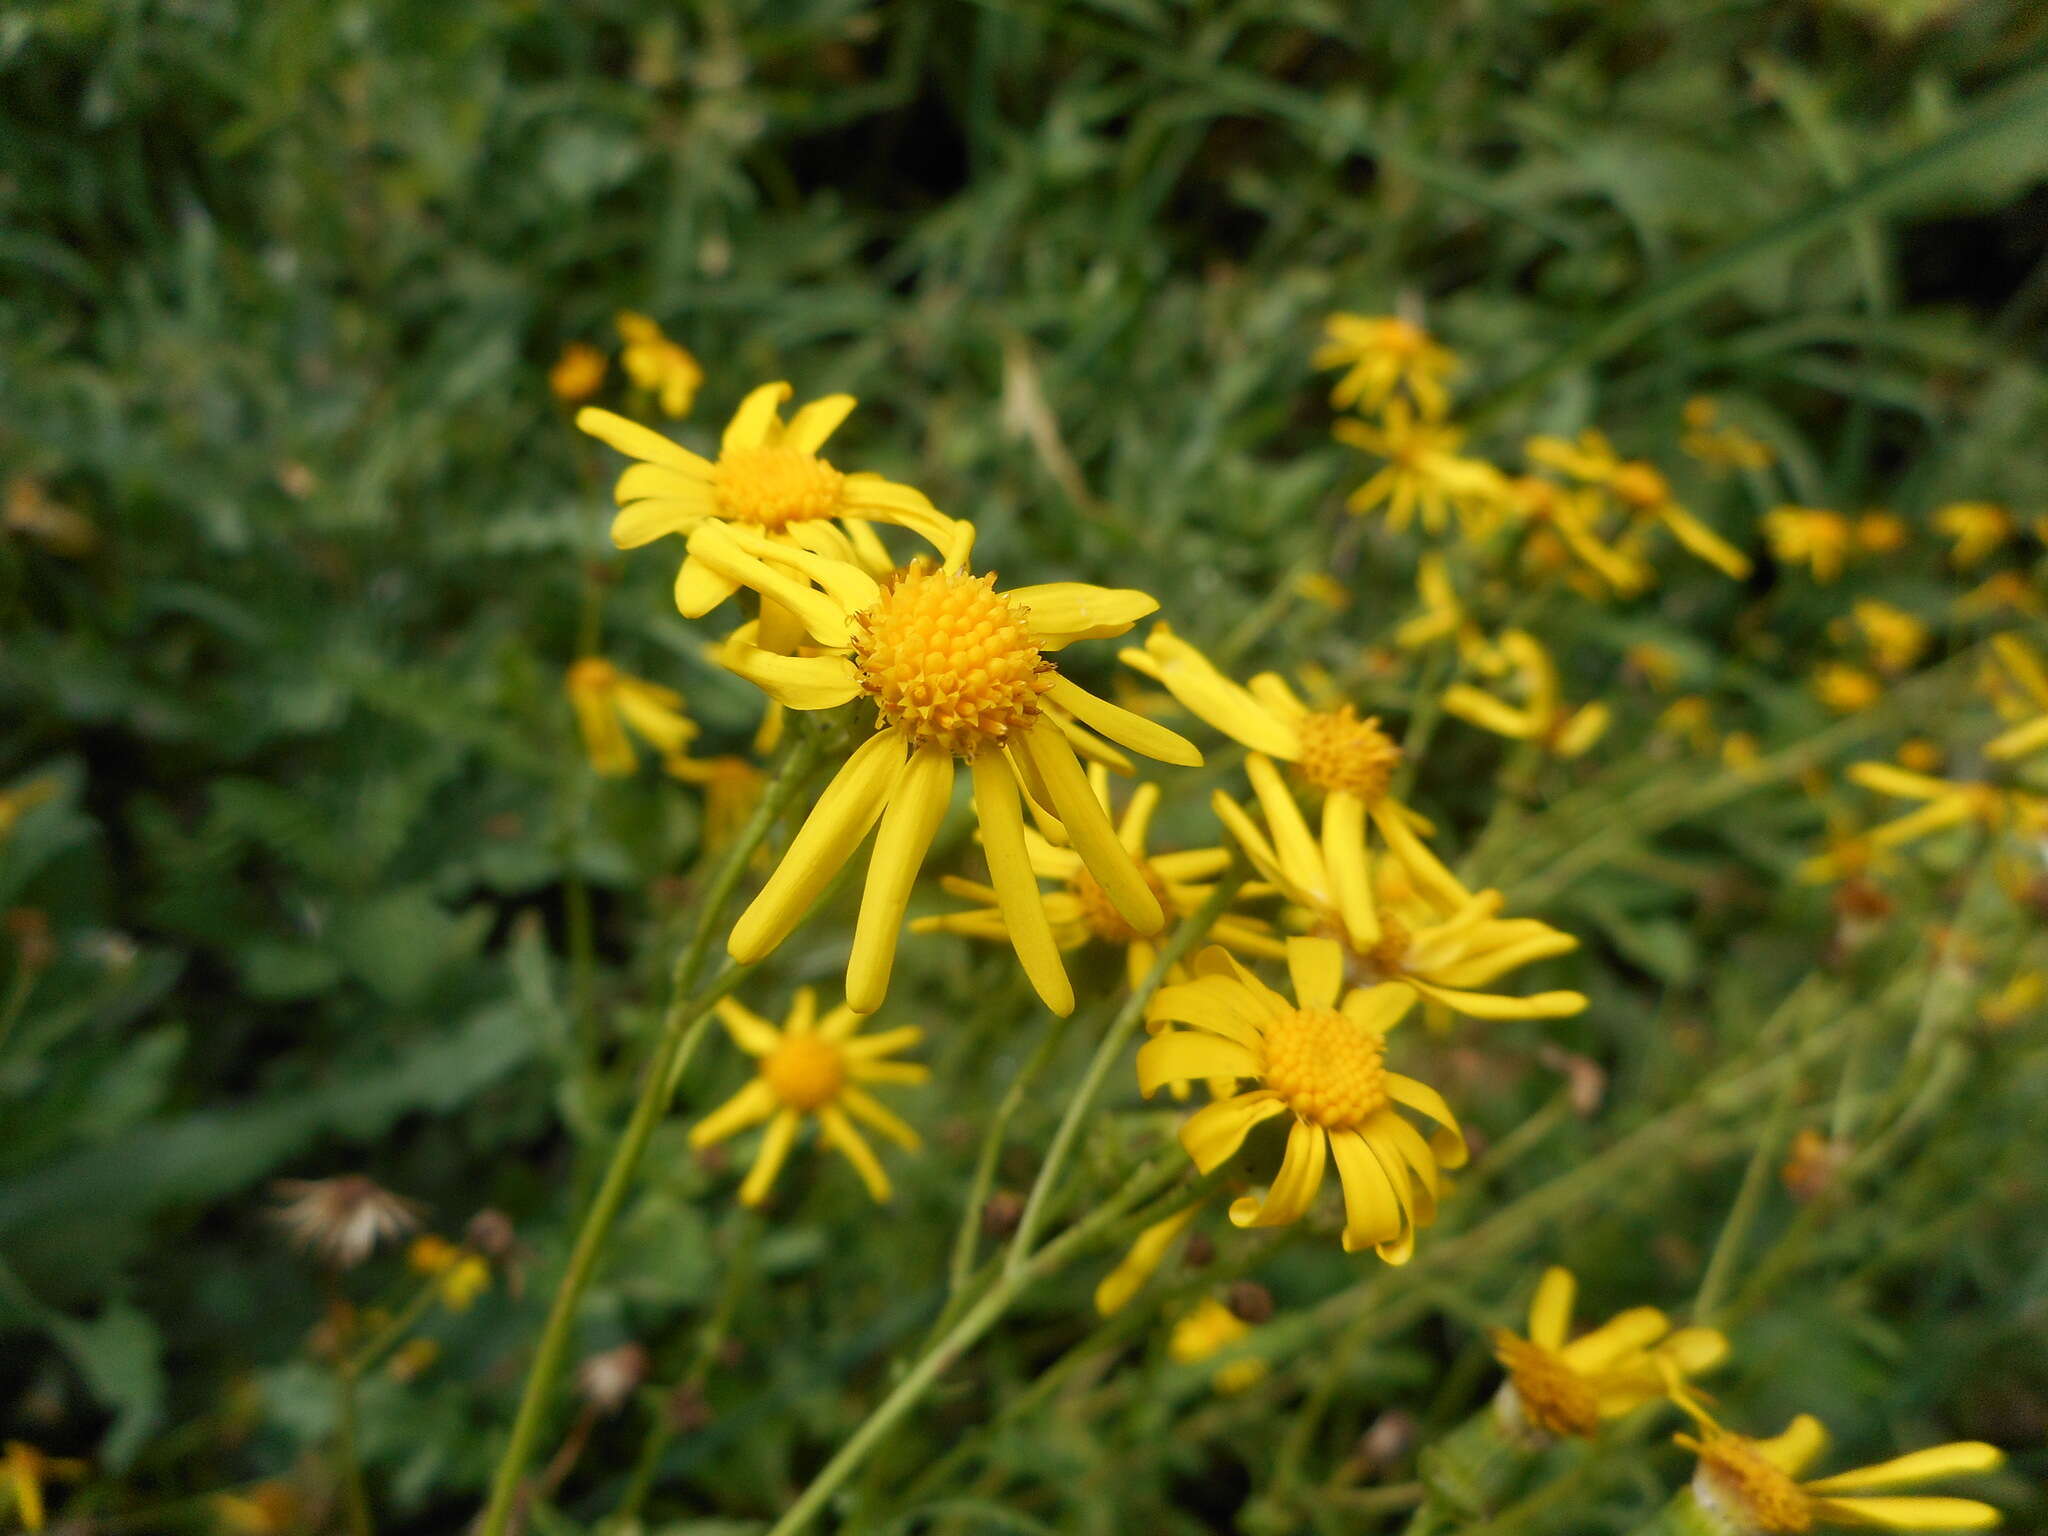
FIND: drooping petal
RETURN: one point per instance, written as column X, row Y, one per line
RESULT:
column 1299, row 854
column 1123, row 727
column 645, row 521
column 1793, row 1450
column 826, row 620
column 1088, row 827
column 1495, row 1005
column 1025, row 921
column 1372, row 1215
column 1423, row 867
column 1919, row 1512
column 1294, row 1186
column 796, row 682
column 839, row 1132
column 1550, row 1310
column 1213, row 1133
column 1349, row 869
column 1952, row 1460
column 917, row 804
column 1192, row 679
column 1425, row 1100
column 901, row 506
column 699, row 588
column 1144, row 1259
column 1060, row 612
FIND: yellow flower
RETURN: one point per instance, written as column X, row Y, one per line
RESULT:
column 1439, row 947
column 1381, row 354
column 812, row 1069
column 577, row 373
column 1558, row 1385
column 1142, row 1262
column 2019, row 997
column 1323, row 1062
column 459, row 1275
column 1444, row 617
column 1539, row 716
column 1920, row 755
column 1082, row 910
column 1568, row 517
column 1845, row 689
column 662, row 367
column 35, row 514
column 1654, row 664
column 1641, row 490
column 21, row 799
column 1690, row 718
column 956, row 670
column 609, row 702
column 1322, row 588
column 1975, row 529
column 1880, row 533
column 1713, row 442
column 768, row 479
column 2029, row 680
column 1424, row 472
column 1810, row 536
column 732, row 788
column 1896, row 639
column 1753, row 1485
column 1948, row 803
column 1208, row 1328
column 1739, row 751
column 264, row 1509
column 23, row 1472
column 1998, row 592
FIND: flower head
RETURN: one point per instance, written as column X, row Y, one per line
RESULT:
column 1716, row 443
column 1640, row 490
column 1208, row 1328
column 609, row 704
column 1810, row 536
column 1561, row 522
column 1896, row 640
column 1846, row 689
column 2025, row 683
column 1559, row 1385
column 812, row 1069
column 1321, row 1059
column 1381, row 354
column 577, row 373
column 1536, row 713
column 768, row 479
column 1424, row 472
column 1974, row 529
column 663, row 368
column 459, row 1275
column 956, row 670
column 1752, row 1486
column 343, row 1219
column 1445, row 617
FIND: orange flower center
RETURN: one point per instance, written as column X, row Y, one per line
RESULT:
column 1554, row 1397
column 1330, row 1069
column 1100, row 913
column 1734, row 1480
column 805, row 1071
column 1640, row 485
column 775, row 486
column 1341, row 751
column 592, row 675
column 949, row 660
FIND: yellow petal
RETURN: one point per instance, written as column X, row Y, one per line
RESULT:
column 1793, row 1450
column 1212, row 1134
column 917, row 804
column 797, row 682
column 756, row 420
column 1293, row 1187
column 1379, row 1007
column 837, row 824
column 1315, row 967
column 1888, row 779
column 1060, row 612
column 839, row 1132
column 1423, row 867
column 2021, row 741
column 865, row 1107
column 1349, row 868
column 997, row 807
column 1550, row 1310
column 1624, row 1334
column 1123, row 727
column 1495, row 1005
column 1221, row 1007
column 774, row 1152
column 749, row 1107
column 1183, row 1055
column 662, row 482
column 1192, row 679
column 1088, row 828
column 813, row 423
column 1299, row 854
column 1952, row 1460
column 699, row 588
column 1425, row 1100
column 1482, row 709
column 645, row 521
column 715, row 545
column 750, row 1032
column 1372, row 1215
column 1142, row 1262
column 638, row 442
column 1910, row 1514
column 1703, row 542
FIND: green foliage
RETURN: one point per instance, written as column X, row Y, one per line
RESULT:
column 279, row 288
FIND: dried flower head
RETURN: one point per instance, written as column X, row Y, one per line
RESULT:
column 343, row 1219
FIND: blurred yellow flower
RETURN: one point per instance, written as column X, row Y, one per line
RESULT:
column 1536, row 713
column 34, row 514
column 1444, row 617
column 578, row 373
column 1880, row 533
column 2000, row 592
column 608, row 703
column 957, row 671
column 2029, row 682
column 1753, row 1485
column 1810, row 536
column 1896, row 639
column 1975, row 529
column 732, row 788
column 2022, row 995
column 1654, row 664
column 1323, row 1061
column 25, row 1472
column 1711, row 441
column 1562, row 522
column 812, row 1069
column 1424, row 472
column 1740, row 751
column 1380, row 355
column 1947, row 803
column 1322, row 588
column 663, row 368
column 1641, row 490
column 1846, row 689
column 459, row 1274
column 263, row 1509
column 1558, row 1385
column 1690, row 718
column 1208, row 1328
column 769, row 480
column 1082, row 912
column 1139, row 1265
column 1920, row 755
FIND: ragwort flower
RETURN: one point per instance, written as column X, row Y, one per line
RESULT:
column 1752, row 1487
column 1642, row 491
column 664, row 368
column 2027, row 688
column 1323, row 1061
column 610, row 703
column 1561, row 522
column 1975, row 530
column 1081, row 912
column 1381, row 354
column 1536, row 713
column 578, row 373
column 1559, row 1385
column 1445, row 617
column 1813, row 537
column 1713, row 442
column 768, row 478
column 957, row 671
column 812, row 1069
column 1208, row 1328
column 1424, row 472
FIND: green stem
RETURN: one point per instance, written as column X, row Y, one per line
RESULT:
column 365, row 1359
column 355, row 1500
column 683, row 1027
column 1742, row 1214
column 1037, row 1205
column 965, row 1241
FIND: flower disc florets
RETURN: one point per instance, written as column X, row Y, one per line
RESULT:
column 805, row 1071
column 949, row 660
column 1100, row 913
column 1339, row 751
column 1329, row 1069
column 1551, row 1395
column 1735, row 1481
column 774, row 486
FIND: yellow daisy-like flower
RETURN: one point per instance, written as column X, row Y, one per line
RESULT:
column 2028, row 680
column 24, row 1471
column 1440, row 945
column 1810, row 536
column 1947, row 803
column 1424, row 472
column 1713, row 442
column 1539, row 716
column 665, row 369
column 1322, row 1060
column 1975, row 530
column 577, row 373
column 2000, row 592
column 1896, row 639
column 1444, row 617
column 768, row 478
column 1081, row 911
column 813, row 1069
column 609, row 703
column 1558, row 1385
column 956, row 670
column 1381, row 354
column 1642, row 491
column 459, row 1275
column 1208, row 1328
column 1846, row 689
column 1880, row 532
column 1568, row 517
column 1753, row 1486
